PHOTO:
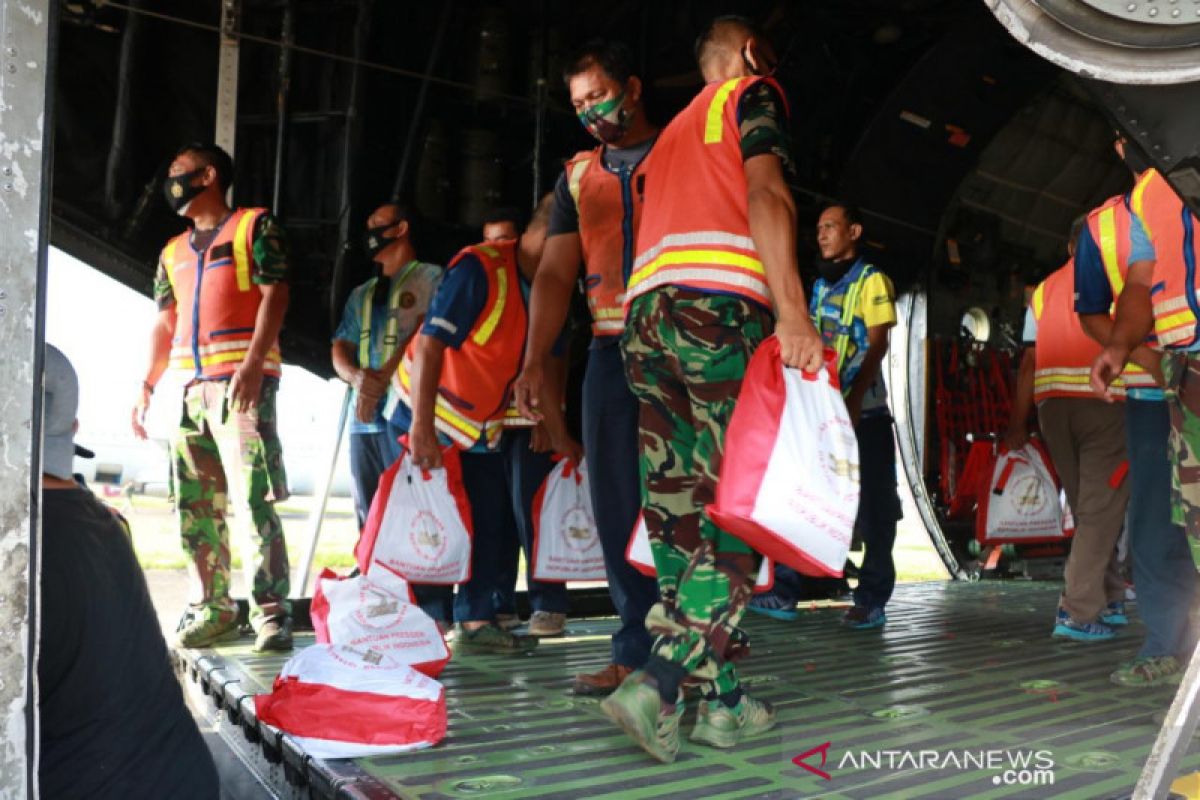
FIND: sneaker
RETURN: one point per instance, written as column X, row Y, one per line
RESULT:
column 771, row 605
column 207, row 629
column 1114, row 614
column 1067, row 628
column 721, row 726
column 861, row 618
column 275, row 635
column 490, row 639
column 603, row 682
column 508, row 622
column 637, row 707
column 1148, row 671
column 547, row 623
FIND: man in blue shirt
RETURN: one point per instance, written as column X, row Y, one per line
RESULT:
column 501, row 480
column 380, row 317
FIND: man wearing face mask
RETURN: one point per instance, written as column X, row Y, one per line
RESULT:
column 221, row 289
column 715, row 272
column 379, row 318
column 597, row 207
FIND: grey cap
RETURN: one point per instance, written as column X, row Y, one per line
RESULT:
column 58, row 418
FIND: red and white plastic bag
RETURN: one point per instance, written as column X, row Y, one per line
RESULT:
column 419, row 525
column 566, row 543
column 339, row 701
column 641, row 557
column 377, row 612
column 789, row 481
column 1022, row 502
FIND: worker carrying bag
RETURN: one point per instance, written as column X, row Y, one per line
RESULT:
column 566, row 543
column 1021, row 504
column 377, row 612
column 641, row 557
column 789, row 481
column 339, row 701
column 419, row 525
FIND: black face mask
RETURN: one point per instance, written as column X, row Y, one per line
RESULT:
column 833, row 271
column 179, row 190
column 375, row 242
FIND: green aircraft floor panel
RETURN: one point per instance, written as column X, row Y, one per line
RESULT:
column 962, row 673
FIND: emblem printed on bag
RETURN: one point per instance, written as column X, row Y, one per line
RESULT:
column 378, row 609
column 578, row 529
column 1028, row 495
column 368, row 658
column 839, row 455
column 427, row 535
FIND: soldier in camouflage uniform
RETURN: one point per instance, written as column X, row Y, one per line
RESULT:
column 716, row 257
column 222, row 292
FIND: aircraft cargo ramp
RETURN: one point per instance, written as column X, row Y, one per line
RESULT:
column 963, row 695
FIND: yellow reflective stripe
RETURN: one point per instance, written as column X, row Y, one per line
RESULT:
column 600, row 313
column 677, row 257
column 1183, row 318
column 1038, row 301
column 714, row 123
column 364, row 333
column 226, row 358
column 722, row 240
column 168, row 258
column 453, row 424
column 241, row 258
column 481, row 336
column 1108, row 249
column 575, row 177
column 1137, row 200
column 488, row 250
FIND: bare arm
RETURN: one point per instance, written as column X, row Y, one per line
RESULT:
column 554, row 390
column 246, row 384
column 549, row 303
column 1018, row 421
column 773, row 227
column 1133, row 323
column 1099, row 327
column 426, row 376
column 160, row 354
column 877, row 346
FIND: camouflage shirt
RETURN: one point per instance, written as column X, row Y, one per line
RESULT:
column 270, row 264
column 762, row 120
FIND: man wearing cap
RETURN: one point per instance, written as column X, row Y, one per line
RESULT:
column 105, row 686
column 222, row 291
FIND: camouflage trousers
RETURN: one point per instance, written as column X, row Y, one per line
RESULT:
column 219, row 455
column 685, row 356
column 1182, row 373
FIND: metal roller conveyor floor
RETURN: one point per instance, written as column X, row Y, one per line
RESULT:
column 962, row 695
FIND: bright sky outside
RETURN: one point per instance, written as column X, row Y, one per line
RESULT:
column 103, row 327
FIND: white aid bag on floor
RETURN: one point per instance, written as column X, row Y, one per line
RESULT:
column 1022, row 504
column 566, row 543
column 789, row 480
column 641, row 557
column 344, row 702
column 419, row 525
column 377, row 612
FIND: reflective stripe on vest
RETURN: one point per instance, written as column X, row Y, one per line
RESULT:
column 1112, row 237
column 1063, row 354
column 391, row 334
column 846, row 303
column 1170, row 225
column 695, row 226
column 472, row 403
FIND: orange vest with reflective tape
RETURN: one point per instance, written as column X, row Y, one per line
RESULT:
column 695, row 229
column 1063, row 354
column 474, row 396
column 216, row 302
column 1171, row 227
column 1109, row 225
column 609, row 207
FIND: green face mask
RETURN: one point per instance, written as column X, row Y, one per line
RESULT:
column 607, row 121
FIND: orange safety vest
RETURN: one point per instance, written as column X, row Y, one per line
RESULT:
column 474, row 397
column 1171, row 226
column 1063, row 354
column 216, row 302
column 609, row 205
column 1109, row 226
column 695, row 229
